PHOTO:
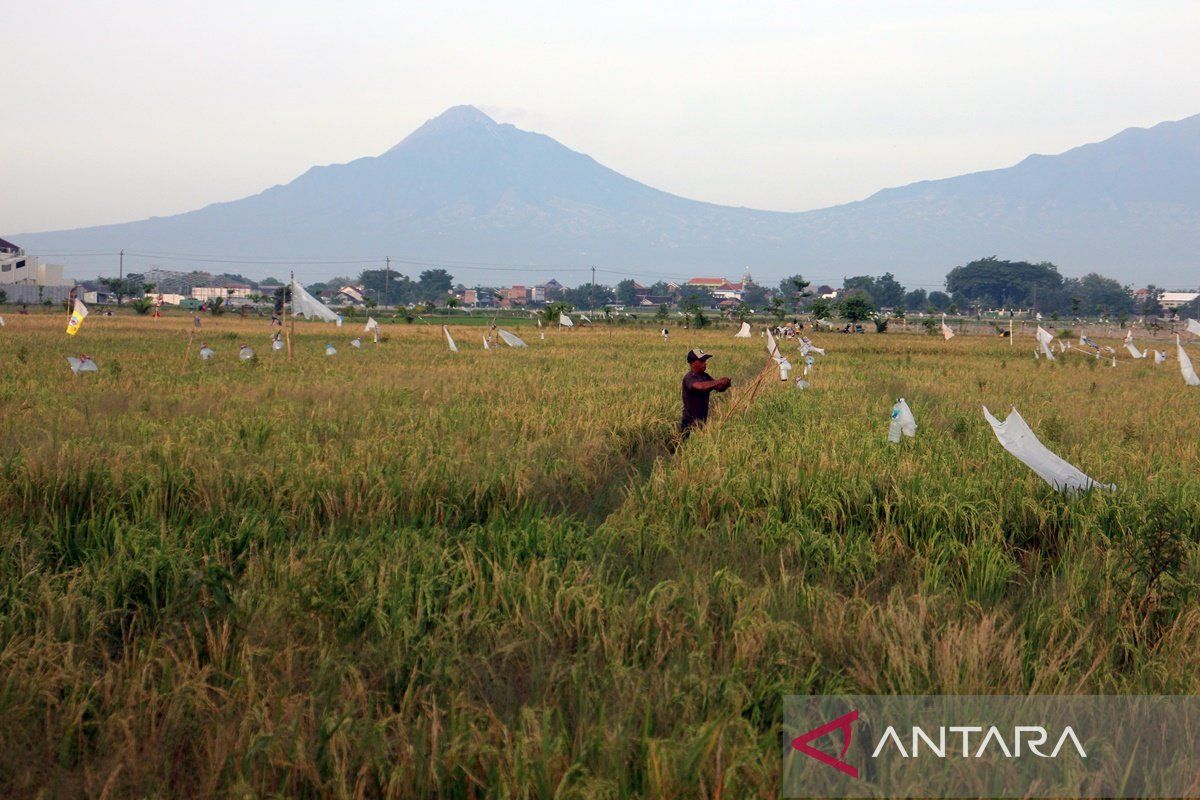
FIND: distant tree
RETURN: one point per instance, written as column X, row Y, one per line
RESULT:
column 777, row 310
column 888, row 292
column 119, row 287
column 862, row 284
column 662, row 312
column 856, row 307
column 820, row 308
column 916, row 299
column 995, row 283
column 627, row 292
column 794, row 288
column 589, row 295
column 939, row 301
column 142, row 305
column 756, row 296
column 3, row 297
column 1094, row 293
column 266, row 282
column 434, row 284
column 1151, row 305
column 552, row 311
column 216, row 306
column 694, row 296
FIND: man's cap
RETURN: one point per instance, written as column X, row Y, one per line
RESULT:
column 698, row 355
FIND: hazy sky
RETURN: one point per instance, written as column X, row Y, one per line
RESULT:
column 121, row 110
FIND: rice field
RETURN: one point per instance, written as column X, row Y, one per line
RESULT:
column 402, row 572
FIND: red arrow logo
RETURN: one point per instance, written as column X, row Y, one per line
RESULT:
column 843, row 723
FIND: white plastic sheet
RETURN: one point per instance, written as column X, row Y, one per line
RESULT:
column 82, row 364
column 744, row 332
column 305, row 305
column 356, row 342
column 902, row 422
column 947, row 334
column 330, row 350
column 207, row 352
column 511, row 339
column 372, row 325
column 486, row 345
column 1044, row 338
column 1133, row 351
column 1193, row 327
column 1159, row 356
column 245, row 353
column 450, row 339
column 565, row 321
column 807, row 347
column 1185, row 365
column 1015, row 435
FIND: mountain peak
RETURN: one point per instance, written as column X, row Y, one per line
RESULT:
column 452, row 120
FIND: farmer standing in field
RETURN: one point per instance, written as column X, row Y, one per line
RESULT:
column 696, row 387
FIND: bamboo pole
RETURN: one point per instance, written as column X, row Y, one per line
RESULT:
column 188, row 348
column 287, row 335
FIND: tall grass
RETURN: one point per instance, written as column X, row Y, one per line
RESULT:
column 400, row 572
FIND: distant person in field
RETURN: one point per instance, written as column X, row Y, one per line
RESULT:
column 697, row 385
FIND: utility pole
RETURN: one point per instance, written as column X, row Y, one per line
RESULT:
column 120, row 278
column 387, row 278
column 593, row 287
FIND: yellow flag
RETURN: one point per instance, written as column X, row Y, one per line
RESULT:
column 76, row 317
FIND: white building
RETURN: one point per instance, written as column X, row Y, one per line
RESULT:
column 18, row 268
column 1177, row 299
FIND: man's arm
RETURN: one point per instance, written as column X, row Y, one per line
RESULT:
column 719, row 385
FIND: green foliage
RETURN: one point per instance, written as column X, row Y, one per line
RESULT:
column 856, row 308
column 821, row 308
column 143, row 305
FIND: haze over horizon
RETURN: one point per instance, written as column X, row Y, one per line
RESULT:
column 150, row 111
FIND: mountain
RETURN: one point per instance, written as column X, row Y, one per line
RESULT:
column 478, row 197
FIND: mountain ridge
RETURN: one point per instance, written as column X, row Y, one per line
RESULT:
column 462, row 187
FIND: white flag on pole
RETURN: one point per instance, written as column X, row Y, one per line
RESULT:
column 305, row 305
column 772, row 348
column 1015, row 435
column 1159, row 356
column 1185, row 365
column 450, row 339
column 565, row 321
column 372, row 325
column 947, row 334
column 1129, row 336
column 744, row 332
